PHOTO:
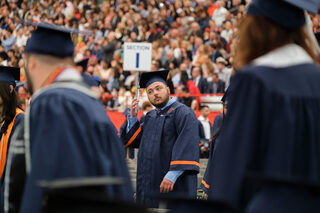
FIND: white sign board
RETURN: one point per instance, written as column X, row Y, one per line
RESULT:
column 137, row 56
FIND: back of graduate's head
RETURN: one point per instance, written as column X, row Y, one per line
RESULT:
column 50, row 44
column 49, row 48
column 270, row 24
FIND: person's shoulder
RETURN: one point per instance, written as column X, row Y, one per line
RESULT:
column 151, row 112
column 64, row 93
column 66, row 98
column 290, row 80
column 260, row 71
column 19, row 118
column 183, row 110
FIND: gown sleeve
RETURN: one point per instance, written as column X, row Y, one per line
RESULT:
column 185, row 153
column 133, row 136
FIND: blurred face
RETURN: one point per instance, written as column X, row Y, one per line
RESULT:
column 158, row 94
column 183, row 67
column 195, row 72
column 220, row 66
column 215, row 78
column 205, row 112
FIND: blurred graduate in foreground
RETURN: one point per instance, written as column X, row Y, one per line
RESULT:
column 67, row 133
column 268, row 156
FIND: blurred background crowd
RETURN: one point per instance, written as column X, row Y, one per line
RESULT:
column 194, row 39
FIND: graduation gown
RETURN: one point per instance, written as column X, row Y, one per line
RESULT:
column 167, row 141
column 206, row 184
column 68, row 135
column 272, row 131
column 18, row 119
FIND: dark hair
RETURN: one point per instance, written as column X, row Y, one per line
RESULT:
column 215, row 74
column 203, row 106
column 10, row 103
column 184, row 78
column 255, row 40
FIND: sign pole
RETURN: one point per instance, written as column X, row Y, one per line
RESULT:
column 137, row 84
column 137, row 88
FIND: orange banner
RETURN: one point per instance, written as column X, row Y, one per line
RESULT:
column 118, row 119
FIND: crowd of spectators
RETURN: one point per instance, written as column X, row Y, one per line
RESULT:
column 194, row 39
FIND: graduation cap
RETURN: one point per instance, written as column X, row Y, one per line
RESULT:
column 148, row 78
column 89, row 80
column 309, row 5
column 50, row 39
column 83, row 64
column 9, row 75
column 283, row 11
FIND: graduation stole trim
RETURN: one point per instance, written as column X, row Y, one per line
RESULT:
column 133, row 137
column 5, row 140
column 205, row 184
column 53, row 76
column 185, row 162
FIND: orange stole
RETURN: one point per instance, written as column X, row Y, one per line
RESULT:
column 5, row 140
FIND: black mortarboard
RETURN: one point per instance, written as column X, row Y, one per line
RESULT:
column 148, row 78
column 50, row 39
column 287, row 13
column 9, row 75
column 83, row 64
column 309, row 5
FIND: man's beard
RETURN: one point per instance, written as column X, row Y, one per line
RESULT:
column 29, row 82
column 160, row 105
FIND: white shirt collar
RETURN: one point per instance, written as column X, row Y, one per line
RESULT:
column 201, row 118
column 69, row 74
column 288, row 55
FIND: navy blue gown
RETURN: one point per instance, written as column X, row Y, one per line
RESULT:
column 271, row 131
column 167, row 141
column 72, row 137
column 19, row 119
column 206, row 184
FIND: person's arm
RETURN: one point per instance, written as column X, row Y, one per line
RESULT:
column 169, row 181
column 131, row 122
column 133, row 131
column 185, row 153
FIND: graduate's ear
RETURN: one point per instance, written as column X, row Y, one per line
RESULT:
column 11, row 88
column 168, row 89
column 32, row 61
